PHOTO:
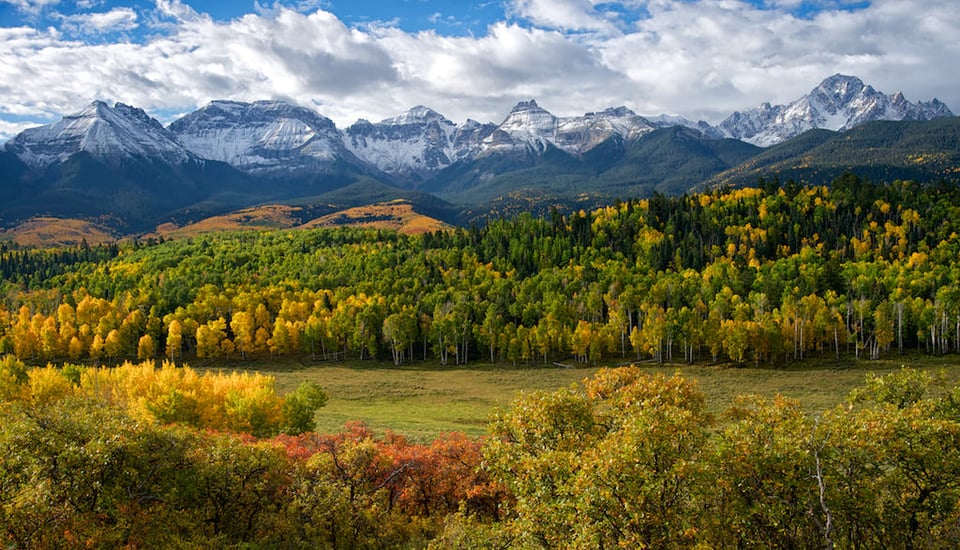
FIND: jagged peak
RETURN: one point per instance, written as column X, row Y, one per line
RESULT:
column 524, row 106
column 839, row 81
column 841, row 88
column 107, row 132
column 100, row 110
column 621, row 111
column 95, row 105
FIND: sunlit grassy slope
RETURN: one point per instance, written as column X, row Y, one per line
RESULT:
column 272, row 216
column 48, row 231
column 399, row 215
column 396, row 215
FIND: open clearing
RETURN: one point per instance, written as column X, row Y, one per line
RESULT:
column 423, row 400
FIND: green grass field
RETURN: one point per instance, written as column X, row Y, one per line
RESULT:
column 424, row 399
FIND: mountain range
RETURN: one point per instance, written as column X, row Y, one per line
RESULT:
column 118, row 164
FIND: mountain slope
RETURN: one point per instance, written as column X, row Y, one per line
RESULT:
column 668, row 160
column 397, row 215
column 109, row 134
column 118, row 163
column 879, row 150
column 418, row 144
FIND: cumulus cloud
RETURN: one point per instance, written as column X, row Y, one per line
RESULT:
column 697, row 58
column 721, row 56
column 483, row 77
column 305, row 57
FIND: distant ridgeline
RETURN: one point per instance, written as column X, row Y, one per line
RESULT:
column 761, row 275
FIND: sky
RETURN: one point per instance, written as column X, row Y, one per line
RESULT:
column 352, row 59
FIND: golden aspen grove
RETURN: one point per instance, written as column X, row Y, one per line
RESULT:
column 147, row 452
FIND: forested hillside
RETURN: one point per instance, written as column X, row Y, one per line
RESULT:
column 881, row 150
column 766, row 276
column 139, row 456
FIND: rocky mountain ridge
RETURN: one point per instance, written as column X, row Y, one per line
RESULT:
column 275, row 138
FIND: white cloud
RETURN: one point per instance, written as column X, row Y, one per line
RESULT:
column 177, row 10
column 115, row 20
column 574, row 15
column 10, row 129
column 698, row 58
column 31, row 6
column 483, row 77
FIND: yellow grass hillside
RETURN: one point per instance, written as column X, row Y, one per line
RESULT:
column 397, row 215
column 273, row 216
column 46, row 231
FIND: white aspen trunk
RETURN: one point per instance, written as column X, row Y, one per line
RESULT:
column 900, row 327
column 836, row 340
column 801, row 340
column 957, row 339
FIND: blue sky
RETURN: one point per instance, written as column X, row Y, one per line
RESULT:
column 454, row 17
column 702, row 59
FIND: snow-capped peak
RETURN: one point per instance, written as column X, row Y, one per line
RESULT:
column 417, row 115
column 530, row 125
column 839, row 90
column 107, row 133
column 838, row 103
column 530, row 122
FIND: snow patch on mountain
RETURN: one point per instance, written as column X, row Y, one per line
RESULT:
column 671, row 121
column 260, row 136
column 418, row 141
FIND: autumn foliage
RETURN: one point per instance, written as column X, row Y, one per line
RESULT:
column 239, row 402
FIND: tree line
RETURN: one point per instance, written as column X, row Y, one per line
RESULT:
column 763, row 275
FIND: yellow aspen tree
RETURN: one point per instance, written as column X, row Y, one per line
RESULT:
column 243, row 326
column 112, row 344
column 96, row 347
column 75, row 348
column 146, row 347
column 174, row 340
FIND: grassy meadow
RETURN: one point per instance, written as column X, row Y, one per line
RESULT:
column 423, row 400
